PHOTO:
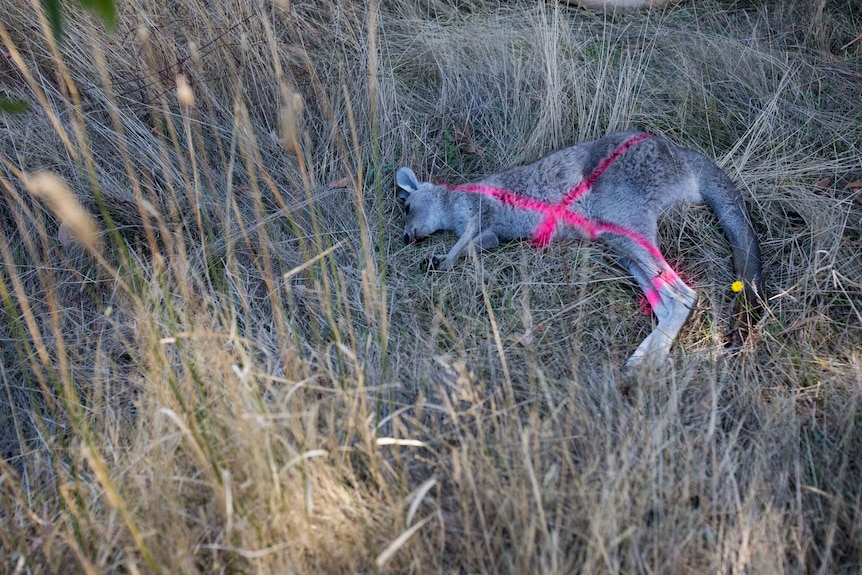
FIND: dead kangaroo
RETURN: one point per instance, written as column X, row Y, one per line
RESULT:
column 612, row 190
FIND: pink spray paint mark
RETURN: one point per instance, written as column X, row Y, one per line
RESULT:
column 592, row 228
column 644, row 305
column 652, row 296
column 653, row 299
column 559, row 212
column 665, row 278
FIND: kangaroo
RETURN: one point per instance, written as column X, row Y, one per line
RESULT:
column 614, row 190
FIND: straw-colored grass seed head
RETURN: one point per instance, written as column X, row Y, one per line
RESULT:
column 66, row 208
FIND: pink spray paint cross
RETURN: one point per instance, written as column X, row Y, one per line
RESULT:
column 592, row 228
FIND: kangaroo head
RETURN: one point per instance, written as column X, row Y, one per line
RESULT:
column 425, row 209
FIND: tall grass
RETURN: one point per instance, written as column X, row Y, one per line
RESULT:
column 217, row 356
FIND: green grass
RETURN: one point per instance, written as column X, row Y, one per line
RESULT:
column 245, row 370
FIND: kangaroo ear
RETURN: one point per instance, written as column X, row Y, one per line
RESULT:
column 406, row 180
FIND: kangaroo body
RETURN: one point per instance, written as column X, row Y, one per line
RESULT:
column 612, row 190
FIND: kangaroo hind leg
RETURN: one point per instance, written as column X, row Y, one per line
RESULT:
column 671, row 299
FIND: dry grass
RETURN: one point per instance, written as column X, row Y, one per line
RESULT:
column 246, row 371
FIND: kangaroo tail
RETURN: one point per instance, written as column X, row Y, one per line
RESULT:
column 726, row 201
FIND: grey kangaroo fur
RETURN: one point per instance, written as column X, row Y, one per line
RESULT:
column 631, row 194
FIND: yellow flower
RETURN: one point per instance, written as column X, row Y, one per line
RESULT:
column 736, row 286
